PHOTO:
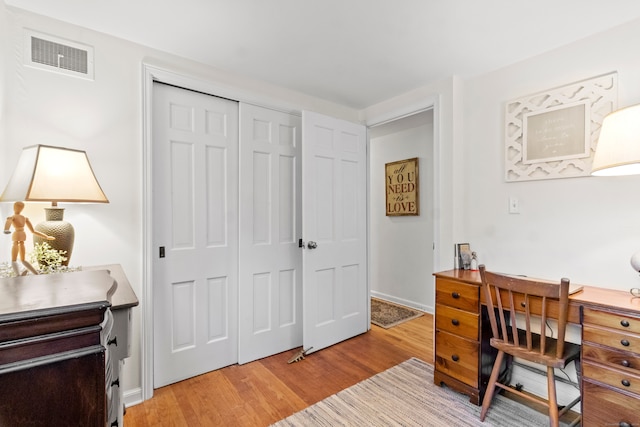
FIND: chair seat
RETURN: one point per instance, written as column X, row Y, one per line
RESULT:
column 571, row 350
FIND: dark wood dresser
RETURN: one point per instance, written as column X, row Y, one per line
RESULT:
column 62, row 341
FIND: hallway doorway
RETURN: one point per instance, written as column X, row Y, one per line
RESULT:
column 401, row 247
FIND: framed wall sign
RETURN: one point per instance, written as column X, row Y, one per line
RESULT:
column 402, row 187
column 553, row 134
column 556, row 133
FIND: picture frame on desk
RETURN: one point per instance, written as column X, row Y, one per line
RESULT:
column 462, row 256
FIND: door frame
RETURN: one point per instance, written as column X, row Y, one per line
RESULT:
column 151, row 73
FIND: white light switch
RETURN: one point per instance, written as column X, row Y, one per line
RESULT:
column 514, row 205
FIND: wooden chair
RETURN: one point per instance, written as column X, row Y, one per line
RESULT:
column 502, row 292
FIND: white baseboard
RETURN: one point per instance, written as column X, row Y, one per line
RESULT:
column 401, row 301
column 132, row 397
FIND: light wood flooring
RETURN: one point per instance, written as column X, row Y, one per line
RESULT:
column 262, row 392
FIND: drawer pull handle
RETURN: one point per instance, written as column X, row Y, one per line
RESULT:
column 624, row 323
column 455, row 358
column 455, row 295
column 626, row 363
column 626, row 383
column 625, row 343
column 113, row 341
column 455, row 322
column 624, row 424
column 522, row 304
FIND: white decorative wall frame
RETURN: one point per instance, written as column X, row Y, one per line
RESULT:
column 553, row 134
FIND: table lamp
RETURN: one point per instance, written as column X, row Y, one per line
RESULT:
column 54, row 174
column 618, row 150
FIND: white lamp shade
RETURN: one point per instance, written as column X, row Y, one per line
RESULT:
column 53, row 174
column 618, row 150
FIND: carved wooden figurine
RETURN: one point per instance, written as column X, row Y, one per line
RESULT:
column 18, row 222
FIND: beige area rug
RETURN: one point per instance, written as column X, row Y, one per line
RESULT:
column 387, row 314
column 405, row 395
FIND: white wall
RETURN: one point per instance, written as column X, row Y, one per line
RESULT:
column 103, row 117
column 582, row 228
column 585, row 228
column 401, row 254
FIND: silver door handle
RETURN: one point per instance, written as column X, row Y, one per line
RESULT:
column 312, row 245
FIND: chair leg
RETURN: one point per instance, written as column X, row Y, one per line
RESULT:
column 554, row 418
column 491, row 387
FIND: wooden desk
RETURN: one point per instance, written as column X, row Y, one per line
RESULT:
column 610, row 359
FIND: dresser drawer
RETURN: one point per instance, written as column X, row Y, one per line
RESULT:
column 623, row 380
column 121, row 334
column 456, row 321
column 602, row 406
column 457, row 294
column 623, row 360
column 457, row 357
column 611, row 320
column 611, row 338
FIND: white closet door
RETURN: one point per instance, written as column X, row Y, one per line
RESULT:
column 195, row 231
column 270, row 226
column 334, row 188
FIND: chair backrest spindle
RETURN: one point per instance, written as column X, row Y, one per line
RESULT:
column 512, row 319
column 543, row 326
column 563, row 314
column 527, row 319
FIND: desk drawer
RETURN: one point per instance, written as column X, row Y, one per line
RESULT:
column 457, row 322
column 457, row 357
column 621, row 322
column 602, row 406
column 458, row 295
column 611, row 338
column 622, row 360
column 623, row 380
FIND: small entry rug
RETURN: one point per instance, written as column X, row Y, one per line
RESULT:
column 386, row 314
column 405, row 395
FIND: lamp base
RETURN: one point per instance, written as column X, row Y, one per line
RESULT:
column 56, row 226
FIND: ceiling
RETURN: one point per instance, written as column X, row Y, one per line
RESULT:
column 352, row 52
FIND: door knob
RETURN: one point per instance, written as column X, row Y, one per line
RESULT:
column 312, row 245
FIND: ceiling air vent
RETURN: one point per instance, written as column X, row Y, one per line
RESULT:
column 63, row 56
